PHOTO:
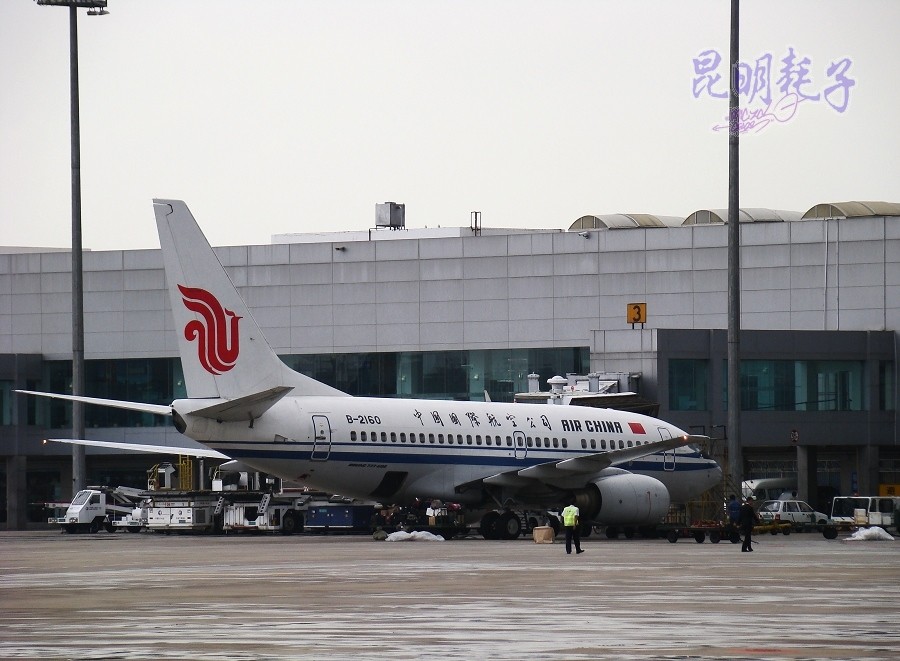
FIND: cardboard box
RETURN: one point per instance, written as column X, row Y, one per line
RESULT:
column 543, row 535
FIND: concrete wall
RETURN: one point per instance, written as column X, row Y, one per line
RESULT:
column 517, row 290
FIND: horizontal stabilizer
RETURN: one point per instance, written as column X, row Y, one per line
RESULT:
column 248, row 407
column 140, row 447
column 156, row 409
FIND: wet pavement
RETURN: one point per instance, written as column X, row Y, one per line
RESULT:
column 154, row 596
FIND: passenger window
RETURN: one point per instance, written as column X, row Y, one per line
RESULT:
column 508, row 441
column 555, row 443
column 593, row 444
column 630, row 444
column 441, row 439
column 528, row 442
column 469, row 439
column 353, row 436
column 403, row 437
column 363, row 436
column 431, row 438
column 565, row 443
column 393, row 437
column 478, row 439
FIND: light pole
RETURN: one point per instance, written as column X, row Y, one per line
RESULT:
column 735, row 454
column 95, row 8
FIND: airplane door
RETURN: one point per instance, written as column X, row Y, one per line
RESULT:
column 521, row 449
column 321, row 438
column 668, row 455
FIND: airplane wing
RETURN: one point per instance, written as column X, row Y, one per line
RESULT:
column 157, row 409
column 587, row 464
column 140, row 447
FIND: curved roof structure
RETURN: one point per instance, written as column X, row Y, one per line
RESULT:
column 624, row 220
column 748, row 215
column 852, row 210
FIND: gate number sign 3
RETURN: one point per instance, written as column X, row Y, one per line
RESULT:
column 637, row 313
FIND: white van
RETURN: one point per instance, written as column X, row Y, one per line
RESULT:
column 770, row 488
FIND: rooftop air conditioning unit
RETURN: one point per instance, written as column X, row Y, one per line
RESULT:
column 390, row 214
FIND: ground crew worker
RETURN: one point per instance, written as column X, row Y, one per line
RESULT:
column 748, row 518
column 734, row 510
column 571, row 515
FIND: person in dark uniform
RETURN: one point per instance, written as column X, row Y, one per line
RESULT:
column 734, row 510
column 747, row 519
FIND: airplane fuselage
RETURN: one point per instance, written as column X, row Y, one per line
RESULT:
column 396, row 450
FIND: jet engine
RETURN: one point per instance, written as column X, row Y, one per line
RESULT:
column 623, row 499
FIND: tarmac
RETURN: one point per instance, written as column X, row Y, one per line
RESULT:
column 199, row 597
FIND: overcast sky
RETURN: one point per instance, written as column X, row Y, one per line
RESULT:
column 274, row 116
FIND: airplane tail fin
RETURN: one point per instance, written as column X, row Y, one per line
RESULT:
column 223, row 351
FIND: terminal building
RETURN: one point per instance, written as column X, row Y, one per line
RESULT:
column 460, row 312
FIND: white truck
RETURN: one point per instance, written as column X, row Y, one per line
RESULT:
column 97, row 508
column 850, row 512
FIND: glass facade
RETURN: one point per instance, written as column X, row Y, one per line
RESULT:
column 461, row 375
column 886, row 385
column 780, row 385
column 6, row 395
column 688, row 385
column 801, row 385
column 149, row 380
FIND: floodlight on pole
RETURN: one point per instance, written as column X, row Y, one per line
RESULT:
column 95, row 8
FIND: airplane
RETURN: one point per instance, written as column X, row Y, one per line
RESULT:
column 621, row 469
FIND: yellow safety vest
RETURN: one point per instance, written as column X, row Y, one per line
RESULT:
column 570, row 515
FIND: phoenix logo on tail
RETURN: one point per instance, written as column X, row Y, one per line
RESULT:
column 218, row 341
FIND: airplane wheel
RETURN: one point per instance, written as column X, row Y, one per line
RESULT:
column 508, row 526
column 289, row 523
column 486, row 527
